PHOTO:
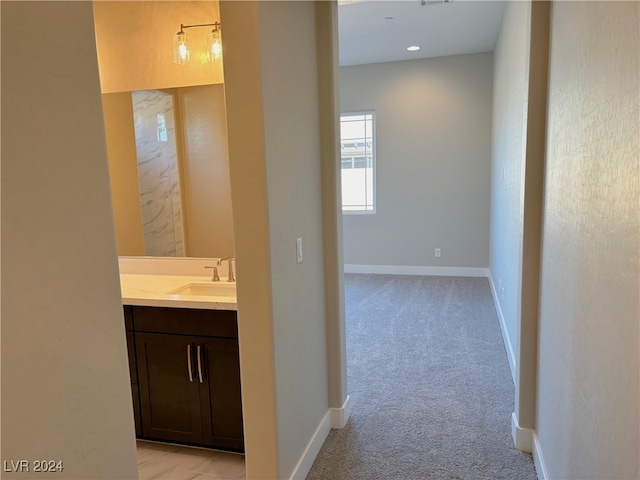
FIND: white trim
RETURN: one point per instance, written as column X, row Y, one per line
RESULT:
column 503, row 329
column 522, row 437
column 418, row 270
column 374, row 162
column 358, row 212
column 313, row 447
column 340, row 416
column 541, row 470
column 334, row 418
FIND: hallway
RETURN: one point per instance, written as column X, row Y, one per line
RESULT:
column 429, row 383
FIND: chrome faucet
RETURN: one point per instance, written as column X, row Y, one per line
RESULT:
column 231, row 277
column 214, row 274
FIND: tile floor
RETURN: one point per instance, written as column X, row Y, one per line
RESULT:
column 159, row 461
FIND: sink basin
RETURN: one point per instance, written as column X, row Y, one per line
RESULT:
column 210, row 289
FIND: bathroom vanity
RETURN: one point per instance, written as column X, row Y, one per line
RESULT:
column 182, row 341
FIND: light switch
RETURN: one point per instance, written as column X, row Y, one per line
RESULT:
column 299, row 250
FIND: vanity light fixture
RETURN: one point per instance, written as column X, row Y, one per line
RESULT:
column 214, row 50
column 181, row 51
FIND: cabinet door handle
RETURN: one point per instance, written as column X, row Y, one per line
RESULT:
column 189, row 362
column 199, row 364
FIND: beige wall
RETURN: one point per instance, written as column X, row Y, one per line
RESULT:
column 433, row 153
column 588, row 423
column 65, row 379
column 123, row 172
column 207, row 191
column 277, row 197
column 135, row 42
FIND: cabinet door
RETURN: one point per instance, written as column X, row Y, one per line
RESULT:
column 131, row 352
column 128, row 317
column 135, row 395
column 220, row 395
column 169, row 391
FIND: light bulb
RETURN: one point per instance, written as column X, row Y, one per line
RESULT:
column 181, row 48
column 215, row 46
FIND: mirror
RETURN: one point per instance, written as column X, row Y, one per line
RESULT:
column 169, row 170
column 158, row 179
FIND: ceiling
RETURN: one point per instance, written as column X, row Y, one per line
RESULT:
column 453, row 28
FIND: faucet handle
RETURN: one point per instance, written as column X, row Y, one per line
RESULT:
column 214, row 274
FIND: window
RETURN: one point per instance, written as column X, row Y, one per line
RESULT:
column 357, row 148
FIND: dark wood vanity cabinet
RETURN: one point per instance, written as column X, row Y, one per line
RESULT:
column 188, row 374
column 133, row 371
column 220, row 396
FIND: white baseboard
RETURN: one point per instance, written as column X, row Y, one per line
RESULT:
column 522, row 437
column 412, row 270
column 340, row 416
column 538, row 459
column 334, row 418
column 503, row 328
column 310, row 453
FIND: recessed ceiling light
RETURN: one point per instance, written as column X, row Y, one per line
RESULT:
column 388, row 18
column 413, row 48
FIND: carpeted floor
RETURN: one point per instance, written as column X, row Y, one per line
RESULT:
column 429, row 382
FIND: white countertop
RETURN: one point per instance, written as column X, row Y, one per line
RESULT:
column 153, row 291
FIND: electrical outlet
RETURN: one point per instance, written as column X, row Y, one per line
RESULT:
column 298, row 250
column 438, row 253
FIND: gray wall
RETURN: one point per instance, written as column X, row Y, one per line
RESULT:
column 291, row 111
column 581, row 406
column 433, row 161
column 588, row 361
column 517, row 171
column 510, row 101
column 65, row 376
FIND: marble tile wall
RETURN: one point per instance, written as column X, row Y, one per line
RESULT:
column 158, row 173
